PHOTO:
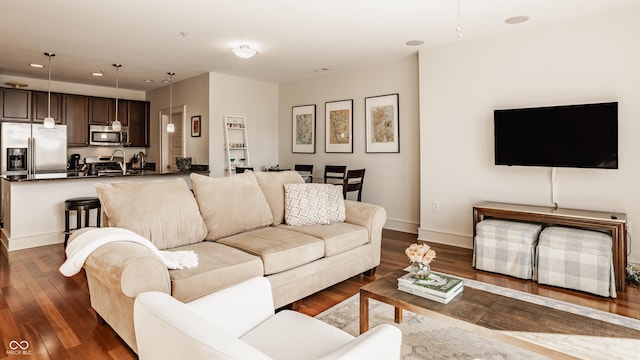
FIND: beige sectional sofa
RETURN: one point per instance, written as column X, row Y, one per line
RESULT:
column 238, row 227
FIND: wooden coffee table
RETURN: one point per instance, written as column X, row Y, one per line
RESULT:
column 484, row 312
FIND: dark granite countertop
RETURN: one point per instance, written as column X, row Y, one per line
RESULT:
column 71, row 175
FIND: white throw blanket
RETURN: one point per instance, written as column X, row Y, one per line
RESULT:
column 82, row 246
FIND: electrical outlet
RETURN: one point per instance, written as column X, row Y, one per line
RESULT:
column 436, row 206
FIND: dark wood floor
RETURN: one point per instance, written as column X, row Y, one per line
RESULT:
column 52, row 313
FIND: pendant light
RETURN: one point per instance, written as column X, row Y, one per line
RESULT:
column 116, row 125
column 458, row 28
column 49, row 122
column 170, row 127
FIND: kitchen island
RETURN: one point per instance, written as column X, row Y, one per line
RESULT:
column 33, row 205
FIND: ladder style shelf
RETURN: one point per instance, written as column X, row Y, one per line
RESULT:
column 236, row 142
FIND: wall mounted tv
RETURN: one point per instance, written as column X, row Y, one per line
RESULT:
column 580, row 136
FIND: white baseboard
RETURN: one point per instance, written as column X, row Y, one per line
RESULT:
column 27, row 242
column 399, row 225
column 458, row 240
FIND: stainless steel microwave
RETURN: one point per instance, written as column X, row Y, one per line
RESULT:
column 106, row 136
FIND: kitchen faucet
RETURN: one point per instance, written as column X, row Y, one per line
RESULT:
column 123, row 164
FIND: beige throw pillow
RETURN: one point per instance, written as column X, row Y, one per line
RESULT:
column 230, row 205
column 272, row 185
column 313, row 204
column 163, row 211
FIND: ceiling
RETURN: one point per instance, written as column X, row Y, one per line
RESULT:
column 294, row 38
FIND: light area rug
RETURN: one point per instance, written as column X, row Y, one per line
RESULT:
column 583, row 347
column 441, row 337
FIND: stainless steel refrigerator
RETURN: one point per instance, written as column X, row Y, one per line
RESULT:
column 32, row 149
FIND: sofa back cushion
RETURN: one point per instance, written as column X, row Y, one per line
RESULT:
column 272, row 185
column 232, row 204
column 163, row 211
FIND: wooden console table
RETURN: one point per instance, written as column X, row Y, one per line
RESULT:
column 613, row 223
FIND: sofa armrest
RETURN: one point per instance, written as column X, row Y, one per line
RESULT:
column 382, row 342
column 370, row 216
column 129, row 268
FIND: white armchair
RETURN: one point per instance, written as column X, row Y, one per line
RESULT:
column 239, row 323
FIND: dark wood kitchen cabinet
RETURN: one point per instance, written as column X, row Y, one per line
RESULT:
column 123, row 111
column 76, row 115
column 138, row 123
column 15, row 105
column 99, row 111
column 102, row 111
column 40, row 108
column 77, row 112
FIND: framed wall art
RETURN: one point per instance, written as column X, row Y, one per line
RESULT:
column 339, row 126
column 382, row 124
column 196, row 126
column 303, row 126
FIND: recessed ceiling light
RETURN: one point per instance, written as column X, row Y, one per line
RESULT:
column 516, row 20
column 147, row 80
column 414, row 43
column 165, row 80
column 17, row 85
column 36, row 65
column 322, row 69
column 98, row 73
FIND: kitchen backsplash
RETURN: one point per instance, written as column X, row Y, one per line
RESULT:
column 103, row 151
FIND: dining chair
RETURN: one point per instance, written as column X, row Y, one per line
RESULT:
column 304, row 168
column 353, row 182
column 306, row 171
column 334, row 174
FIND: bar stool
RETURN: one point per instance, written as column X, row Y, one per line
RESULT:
column 79, row 205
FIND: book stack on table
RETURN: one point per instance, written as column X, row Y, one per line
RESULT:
column 438, row 287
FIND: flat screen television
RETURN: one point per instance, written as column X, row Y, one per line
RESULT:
column 580, row 136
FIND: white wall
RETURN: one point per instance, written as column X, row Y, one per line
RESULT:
column 391, row 180
column 589, row 59
column 257, row 101
column 194, row 94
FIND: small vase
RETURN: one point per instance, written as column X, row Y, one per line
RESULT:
column 420, row 271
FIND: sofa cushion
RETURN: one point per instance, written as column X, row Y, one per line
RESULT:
column 280, row 249
column 272, row 185
column 163, row 211
column 219, row 266
column 338, row 237
column 231, row 204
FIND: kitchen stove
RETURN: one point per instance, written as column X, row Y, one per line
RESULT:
column 103, row 165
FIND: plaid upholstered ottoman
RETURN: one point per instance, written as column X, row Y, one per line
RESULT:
column 576, row 259
column 506, row 247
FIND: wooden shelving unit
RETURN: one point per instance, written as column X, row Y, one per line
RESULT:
column 236, row 142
